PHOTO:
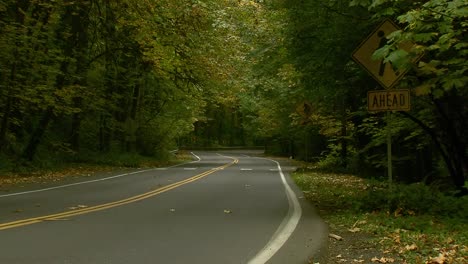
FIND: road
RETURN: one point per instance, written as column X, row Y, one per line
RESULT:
column 220, row 208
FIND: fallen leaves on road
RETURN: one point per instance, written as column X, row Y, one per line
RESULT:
column 80, row 206
column 44, row 177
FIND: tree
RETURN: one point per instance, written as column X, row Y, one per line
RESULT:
column 439, row 80
column 100, row 75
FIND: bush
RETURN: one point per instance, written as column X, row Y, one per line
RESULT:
column 132, row 160
column 413, row 199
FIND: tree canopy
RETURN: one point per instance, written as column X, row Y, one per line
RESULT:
column 86, row 78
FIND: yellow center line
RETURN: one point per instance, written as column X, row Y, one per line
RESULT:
column 30, row 221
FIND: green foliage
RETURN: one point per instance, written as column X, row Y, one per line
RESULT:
column 332, row 160
column 430, row 225
column 132, row 160
column 101, row 76
column 144, row 76
column 317, row 188
column 413, row 199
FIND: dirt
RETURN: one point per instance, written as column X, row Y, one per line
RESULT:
column 355, row 247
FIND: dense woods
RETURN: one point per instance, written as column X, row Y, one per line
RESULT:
column 89, row 78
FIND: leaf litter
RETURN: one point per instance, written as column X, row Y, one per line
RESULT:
column 371, row 236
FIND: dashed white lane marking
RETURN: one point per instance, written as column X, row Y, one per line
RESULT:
column 286, row 228
column 190, row 168
column 246, row 169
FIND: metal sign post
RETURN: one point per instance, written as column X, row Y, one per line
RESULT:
column 389, row 151
column 387, row 76
column 389, row 100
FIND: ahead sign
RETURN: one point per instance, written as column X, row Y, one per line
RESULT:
column 383, row 72
column 388, row 100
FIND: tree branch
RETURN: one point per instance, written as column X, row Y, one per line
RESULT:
column 435, row 139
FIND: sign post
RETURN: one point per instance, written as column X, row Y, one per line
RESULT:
column 305, row 110
column 389, row 152
column 387, row 76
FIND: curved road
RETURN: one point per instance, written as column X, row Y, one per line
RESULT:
column 221, row 208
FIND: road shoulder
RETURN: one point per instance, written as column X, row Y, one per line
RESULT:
column 309, row 242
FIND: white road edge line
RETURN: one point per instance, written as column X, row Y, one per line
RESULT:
column 198, row 158
column 93, row 181
column 286, row 228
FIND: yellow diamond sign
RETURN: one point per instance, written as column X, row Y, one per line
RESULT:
column 383, row 72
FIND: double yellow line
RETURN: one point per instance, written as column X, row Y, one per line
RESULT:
column 61, row 216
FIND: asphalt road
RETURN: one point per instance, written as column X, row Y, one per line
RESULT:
column 221, row 208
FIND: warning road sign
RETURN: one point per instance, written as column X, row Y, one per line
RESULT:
column 388, row 100
column 383, row 72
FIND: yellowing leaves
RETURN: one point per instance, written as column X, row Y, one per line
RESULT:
column 441, row 259
column 383, row 260
column 423, row 89
column 41, row 177
column 411, row 247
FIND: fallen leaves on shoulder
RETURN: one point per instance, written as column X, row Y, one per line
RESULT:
column 383, row 260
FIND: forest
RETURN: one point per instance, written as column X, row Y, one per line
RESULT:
column 86, row 79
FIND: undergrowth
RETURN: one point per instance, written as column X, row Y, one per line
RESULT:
column 415, row 222
column 54, row 168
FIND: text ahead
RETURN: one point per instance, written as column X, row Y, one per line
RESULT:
column 388, row 100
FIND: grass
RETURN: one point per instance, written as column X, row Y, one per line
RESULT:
column 398, row 228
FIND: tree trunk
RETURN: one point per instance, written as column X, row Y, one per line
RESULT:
column 80, row 35
column 450, row 158
column 76, row 125
column 453, row 135
column 344, row 142
column 132, row 126
column 5, row 123
column 105, row 131
column 36, row 137
column 104, row 134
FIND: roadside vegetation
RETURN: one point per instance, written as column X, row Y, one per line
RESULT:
column 368, row 223
column 99, row 83
column 18, row 176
